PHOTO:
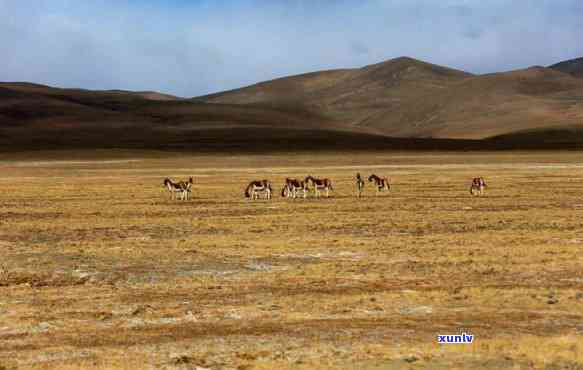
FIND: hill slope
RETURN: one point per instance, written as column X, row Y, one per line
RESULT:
column 339, row 109
column 574, row 67
column 349, row 96
column 405, row 97
column 484, row 106
column 37, row 116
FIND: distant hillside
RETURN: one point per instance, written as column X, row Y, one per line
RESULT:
column 405, row 97
column 490, row 105
column 36, row 116
column 348, row 96
column 574, row 67
column 361, row 108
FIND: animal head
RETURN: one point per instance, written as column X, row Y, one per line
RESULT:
column 167, row 181
column 248, row 189
column 371, row 177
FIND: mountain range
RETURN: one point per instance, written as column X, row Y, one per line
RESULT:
column 399, row 103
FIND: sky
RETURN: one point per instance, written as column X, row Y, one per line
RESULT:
column 194, row 47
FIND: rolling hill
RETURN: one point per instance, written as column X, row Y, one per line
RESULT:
column 41, row 117
column 401, row 103
column 405, row 97
column 349, row 96
column 574, row 67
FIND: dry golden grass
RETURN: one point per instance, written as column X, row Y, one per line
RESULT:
column 100, row 270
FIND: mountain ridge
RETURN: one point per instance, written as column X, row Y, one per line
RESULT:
column 398, row 98
column 574, row 67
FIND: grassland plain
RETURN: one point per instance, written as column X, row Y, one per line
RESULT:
column 101, row 270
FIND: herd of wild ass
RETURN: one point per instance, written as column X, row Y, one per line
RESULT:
column 292, row 188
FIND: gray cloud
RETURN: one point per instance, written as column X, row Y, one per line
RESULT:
column 177, row 47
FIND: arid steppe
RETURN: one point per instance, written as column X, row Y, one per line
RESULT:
column 100, row 269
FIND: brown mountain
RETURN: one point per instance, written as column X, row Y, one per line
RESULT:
column 574, row 67
column 496, row 104
column 349, row 108
column 38, row 116
column 405, row 97
column 348, row 96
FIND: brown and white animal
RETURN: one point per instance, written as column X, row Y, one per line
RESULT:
column 292, row 187
column 359, row 185
column 478, row 186
column 258, row 186
column 187, row 186
column 381, row 183
column 319, row 185
column 178, row 190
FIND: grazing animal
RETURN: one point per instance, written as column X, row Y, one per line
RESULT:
column 359, row 185
column 187, row 186
column 178, row 190
column 381, row 183
column 293, row 186
column 258, row 186
column 478, row 186
column 320, row 184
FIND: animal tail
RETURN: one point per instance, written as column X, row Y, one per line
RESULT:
column 283, row 191
column 247, row 193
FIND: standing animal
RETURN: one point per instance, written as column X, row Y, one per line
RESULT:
column 178, row 190
column 359, row 185
column 320, row 184
column 381, row 183
column 187, row 186
column 258, row 186
column 293, row 186
column 478, row 186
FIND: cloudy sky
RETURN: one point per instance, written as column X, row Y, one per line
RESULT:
column 193, row 47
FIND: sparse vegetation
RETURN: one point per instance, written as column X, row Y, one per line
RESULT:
column 363, row 108
column 96, row 276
